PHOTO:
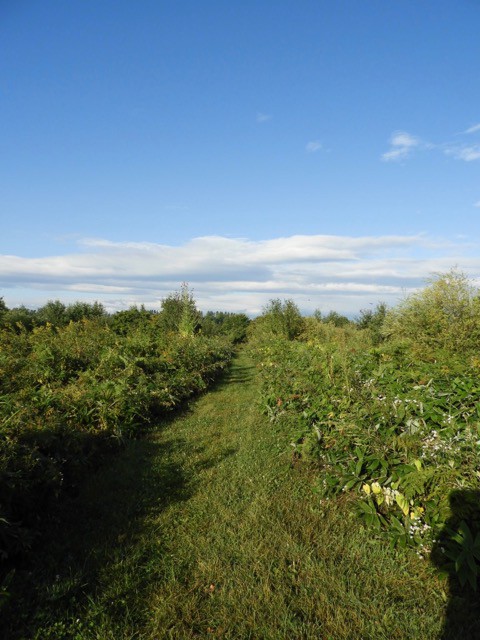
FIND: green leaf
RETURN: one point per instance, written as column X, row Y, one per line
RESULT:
column 467, row 534
column 402, row 503
column 397, row 525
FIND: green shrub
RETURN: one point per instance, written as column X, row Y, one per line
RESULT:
column 70, row 393
column 221, row 323
column 280, row 319
column 396, row 423
column 442, row 320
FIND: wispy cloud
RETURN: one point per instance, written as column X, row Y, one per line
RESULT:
column 401, row 146
column 466, row 153
column 313, row 146
column 477, row 204
column 263, row 117
column 474, row 129
column 318, row 271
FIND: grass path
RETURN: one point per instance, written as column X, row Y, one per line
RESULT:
column 206, row 530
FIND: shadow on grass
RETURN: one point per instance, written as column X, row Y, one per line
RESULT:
column 103, row 535
column 204, row 465
column 454, row 555
column 236, row 374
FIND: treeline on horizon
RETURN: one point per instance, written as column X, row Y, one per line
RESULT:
column 59, row 314
column 168, row 318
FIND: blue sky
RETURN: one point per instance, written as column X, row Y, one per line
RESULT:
column 324, row 151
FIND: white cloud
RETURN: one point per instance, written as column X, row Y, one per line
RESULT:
column 236, row 274
column 395, row 154
column 263, row 117
column 401, row 146
column 403, row 139
column 477, row 204
column 466, row 153
column 314, row 145
column 474, row 129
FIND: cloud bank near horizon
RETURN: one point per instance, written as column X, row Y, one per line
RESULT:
column 236, row 274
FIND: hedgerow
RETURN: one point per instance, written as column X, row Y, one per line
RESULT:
column 70, row 393
column 394, row 423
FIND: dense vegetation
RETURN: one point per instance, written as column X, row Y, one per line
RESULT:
column 205, row 529
column 387, row 409
column 75, row 382
column 379, row 415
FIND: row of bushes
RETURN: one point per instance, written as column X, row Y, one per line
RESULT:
column 178, row 313
column 69, row 393
column 389, row 413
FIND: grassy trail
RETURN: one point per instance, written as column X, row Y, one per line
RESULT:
column 207, row 530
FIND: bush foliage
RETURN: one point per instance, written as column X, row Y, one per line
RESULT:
column 69, row 391
column 388, row 412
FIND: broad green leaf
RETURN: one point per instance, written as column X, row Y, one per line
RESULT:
column 402, row 503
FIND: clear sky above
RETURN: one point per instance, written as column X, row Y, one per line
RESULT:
column 324, row 151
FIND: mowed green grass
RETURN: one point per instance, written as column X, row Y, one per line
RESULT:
column 209, row 529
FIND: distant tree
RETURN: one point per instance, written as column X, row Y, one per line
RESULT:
column 235, row 326
column 373, row 320
column 282, row 318
column 211, row 322
column 59, row 314
column 179, row 313
column 84, row 310
column 3, row 309
column 232, row 325
column 122, row 322
column 335, row 318
column 52, row 312
column 19, row 318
